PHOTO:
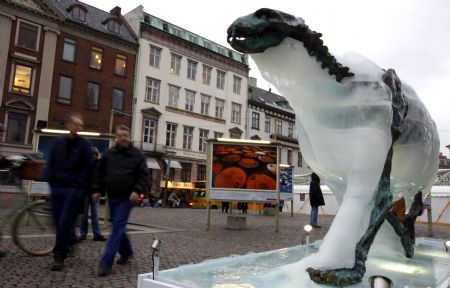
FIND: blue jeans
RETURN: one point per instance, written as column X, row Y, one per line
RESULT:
column 314, row 212
column 64, row 202
column 118, row 240
column 84, row 226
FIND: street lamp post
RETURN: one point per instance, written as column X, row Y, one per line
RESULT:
column 166, row 177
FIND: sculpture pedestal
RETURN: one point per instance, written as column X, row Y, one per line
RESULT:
column 235, row 222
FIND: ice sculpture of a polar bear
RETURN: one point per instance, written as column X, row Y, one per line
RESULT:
column 362, row 129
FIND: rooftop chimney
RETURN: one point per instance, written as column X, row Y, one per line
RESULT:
column 252, row 81
column 115, row 11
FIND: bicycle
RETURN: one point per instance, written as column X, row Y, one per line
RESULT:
column 31, row 218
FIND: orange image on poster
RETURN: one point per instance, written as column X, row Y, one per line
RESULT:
column 244, row 167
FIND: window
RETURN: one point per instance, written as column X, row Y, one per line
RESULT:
column 149, row 130
column 220, row 80
column 290, row 130
column 155, row 56
column 236, row 113
column 236, row 85
column 113, row 26
column 96, row 58
column 255, row 120
column 153, row 86
column 193, row 39
column 17, row 127
column 289, row 157
column 121, row 65
column 220, row 104
column 187, row 137
column 267, row 125
column 190, row 99
column 204, row 108
column 206, row 75
column 177, row 32
column 175, row 64
column 65, row 90
column 218, row 135
column 207, row 45
column 117, row 99
column 221, row 50
column 191, row 69
column 171, row 133
column 69, row 50
column 202, row 140
column 78, row 13
column 201, row 172
column 299, row 159
column 174, row 95
column 93, row 91
column 28, row 36
column 186, row 172
column 278, row 127
column 23, row 76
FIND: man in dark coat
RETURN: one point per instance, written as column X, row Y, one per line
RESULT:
column 67, row 169
column 315, row 199
column 123, row 175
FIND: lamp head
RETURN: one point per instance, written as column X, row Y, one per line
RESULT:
column 156, row 245
column 378, row 281
column 307, row 228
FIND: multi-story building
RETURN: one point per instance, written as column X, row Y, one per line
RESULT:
column 94, row 67
column 61, row 56
column 28, row 32
column 188, row 89
column 269, row 117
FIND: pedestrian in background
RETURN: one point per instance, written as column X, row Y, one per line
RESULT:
column 94, row 205
column 68, row 167
column 315, row 199
column 123, row 175
column 225, row 206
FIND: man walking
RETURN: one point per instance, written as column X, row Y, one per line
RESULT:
column 68, row 167
column 123, row 175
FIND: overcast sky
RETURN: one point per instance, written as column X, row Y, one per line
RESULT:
column 410, row 36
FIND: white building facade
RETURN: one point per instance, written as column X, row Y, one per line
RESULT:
column 187, row 89
column 269, row 117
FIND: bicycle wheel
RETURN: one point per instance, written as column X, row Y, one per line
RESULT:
column 33, row 230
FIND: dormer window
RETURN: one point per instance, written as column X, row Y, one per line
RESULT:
column 113, row 26
column 78, row 13
column 283, row 104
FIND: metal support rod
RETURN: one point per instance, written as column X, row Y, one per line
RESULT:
column 166, row 182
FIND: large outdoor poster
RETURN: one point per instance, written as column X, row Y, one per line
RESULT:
column 244, row 171
column 285, row 183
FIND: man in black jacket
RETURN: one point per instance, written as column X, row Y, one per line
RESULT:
column 123, row 174
column 67, row 169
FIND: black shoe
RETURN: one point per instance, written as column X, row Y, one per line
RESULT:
column 100, row 238
column 123, row 260
column 57, row 265
column 3, row 253
column 316, row 226
column 104, row 271
column 81, row 238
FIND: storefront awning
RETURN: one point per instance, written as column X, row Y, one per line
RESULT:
column 174, row 164
column 152, row 163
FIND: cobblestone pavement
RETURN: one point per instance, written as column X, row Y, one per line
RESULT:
column 184, row 240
